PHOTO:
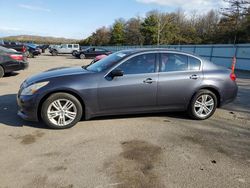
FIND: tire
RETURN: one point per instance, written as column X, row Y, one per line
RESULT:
column 31, row 55
column 74, row 53
column 200, row 110
column 82, row 56
column 51, row 105
column 1, row 72
column 54, row 53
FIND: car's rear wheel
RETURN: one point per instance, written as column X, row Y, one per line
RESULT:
column 203, row 105
column 82, row 56
column 61, row 111
column 1, row 72
column 54, row 53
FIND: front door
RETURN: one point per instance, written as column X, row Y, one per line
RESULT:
column 135, row 90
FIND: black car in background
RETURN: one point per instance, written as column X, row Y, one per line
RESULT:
column 33, row 50
column 11, row 61
column 92, row 53
column 43, row 47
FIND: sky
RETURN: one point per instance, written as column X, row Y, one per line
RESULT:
column 79, row 18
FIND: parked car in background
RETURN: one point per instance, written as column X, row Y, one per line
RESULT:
column 11, row 61
column 98, row 58
column 43, row 47
column 33, row 50
column 65, row 49
column 15, row 46
column 92, row 53
column 127, row 82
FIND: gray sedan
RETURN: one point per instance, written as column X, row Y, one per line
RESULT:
column 127, row 82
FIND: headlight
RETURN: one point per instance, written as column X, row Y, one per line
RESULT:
column 32, row 89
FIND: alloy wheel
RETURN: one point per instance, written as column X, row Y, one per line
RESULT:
column 204, row 106
column 62, row 112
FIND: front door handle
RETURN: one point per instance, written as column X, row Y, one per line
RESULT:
column 148, row 81
column 194, row 77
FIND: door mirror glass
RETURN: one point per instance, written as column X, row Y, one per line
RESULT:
column 116, row 73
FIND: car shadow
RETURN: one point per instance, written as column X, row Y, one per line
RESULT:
column 9, row 117
column 11, row 74
column 177, row 115
column 71, row 57
column 8, row 114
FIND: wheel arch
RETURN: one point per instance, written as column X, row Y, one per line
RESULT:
column 2, row 67
column 212, row 89
column 61, row 91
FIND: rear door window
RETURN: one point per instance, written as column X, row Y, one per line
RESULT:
column 171, row 62
column 99, row 50
column 70, row 46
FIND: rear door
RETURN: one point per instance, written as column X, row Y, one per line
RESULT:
column 99, row 51
column 180, row 75
column 69, row 49
column 135, row 90
column 89, row 53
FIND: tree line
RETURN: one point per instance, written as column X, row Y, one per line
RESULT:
column 230, row 24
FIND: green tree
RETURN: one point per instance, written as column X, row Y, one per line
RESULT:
column 149, row 29
column 118, row 33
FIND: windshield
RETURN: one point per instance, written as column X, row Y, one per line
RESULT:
column 106, row 62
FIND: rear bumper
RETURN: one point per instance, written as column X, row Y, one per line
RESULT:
column 15, row 66
column 229, row 95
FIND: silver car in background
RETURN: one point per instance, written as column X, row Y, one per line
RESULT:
column 128, row 82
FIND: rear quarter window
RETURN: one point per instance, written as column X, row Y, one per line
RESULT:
column 194, row 64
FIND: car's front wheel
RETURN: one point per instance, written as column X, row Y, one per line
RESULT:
column 82, row 56
column 61, row 111
column 74, row 53
column 203, row 105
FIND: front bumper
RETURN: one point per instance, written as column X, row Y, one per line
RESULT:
column 28, row 107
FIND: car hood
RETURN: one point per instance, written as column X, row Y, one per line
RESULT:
column 57, row 72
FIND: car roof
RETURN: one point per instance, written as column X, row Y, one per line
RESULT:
column 141, row 50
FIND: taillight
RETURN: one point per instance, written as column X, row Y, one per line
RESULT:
column 17, row 57
column 233, row 76
column 24, row 49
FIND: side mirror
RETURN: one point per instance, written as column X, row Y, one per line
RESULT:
column 116, row 73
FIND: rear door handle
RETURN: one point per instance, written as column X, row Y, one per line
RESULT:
column 194, row 77
column 148, row 81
